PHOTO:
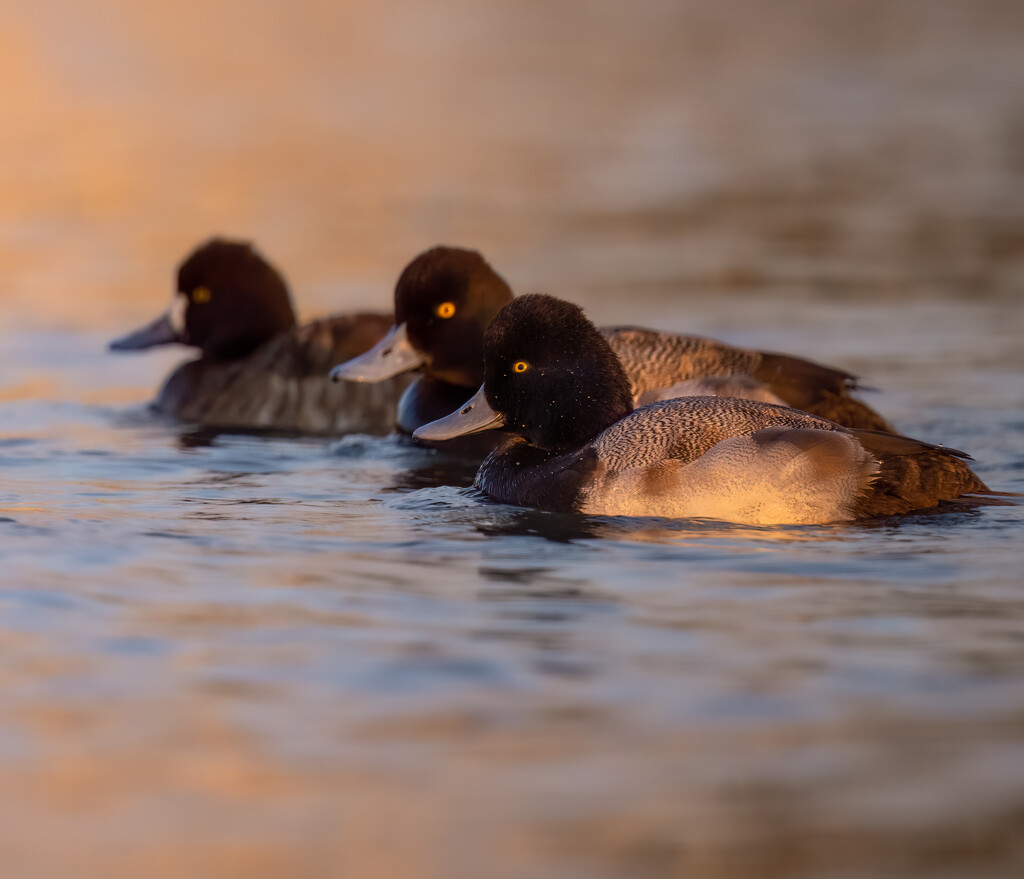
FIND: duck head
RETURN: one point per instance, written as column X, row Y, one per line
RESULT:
column 229, row 301
column 549, row 377
column 444, row 300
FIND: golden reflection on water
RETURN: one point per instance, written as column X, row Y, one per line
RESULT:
column 765, row 536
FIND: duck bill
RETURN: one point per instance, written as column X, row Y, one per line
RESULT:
column 160, row 332
column 475, row 416
column 392, row 355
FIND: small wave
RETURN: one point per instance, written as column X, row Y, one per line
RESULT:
column 434, row 498
column 392, row 448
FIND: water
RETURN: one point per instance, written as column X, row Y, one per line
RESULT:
column 250, row 656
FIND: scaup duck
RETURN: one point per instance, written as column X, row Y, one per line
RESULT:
column 446, row 297
column 257, row 369
column 552, row 381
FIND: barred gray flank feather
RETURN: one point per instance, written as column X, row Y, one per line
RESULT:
column 655, row 360
column 742, row 386
column 685, row 428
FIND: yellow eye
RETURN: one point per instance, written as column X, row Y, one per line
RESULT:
column 445, row 309
column 201, row 295
column 520, row 366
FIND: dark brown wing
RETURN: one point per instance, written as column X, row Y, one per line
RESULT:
column 914, row 475
column 314, row 349
column 820, row 390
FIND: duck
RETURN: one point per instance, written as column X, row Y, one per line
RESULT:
column 257, row 368
column 446, row 297
column 575, row 443
column 444, row 300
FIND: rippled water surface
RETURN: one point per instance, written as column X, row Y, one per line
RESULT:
column 267, row 656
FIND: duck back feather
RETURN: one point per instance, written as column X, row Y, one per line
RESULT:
column 655, row 361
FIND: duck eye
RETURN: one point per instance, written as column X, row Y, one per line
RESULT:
column 445, row 310
column 201, row 295
column 520, row 366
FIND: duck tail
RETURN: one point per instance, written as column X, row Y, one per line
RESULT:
column 915, row 475
column 987, row 499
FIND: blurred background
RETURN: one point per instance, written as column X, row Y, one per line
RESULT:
column 251, row 659
column 852, row 148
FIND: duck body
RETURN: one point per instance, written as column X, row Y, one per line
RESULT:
column 283, row 384
column 730, row 459
column 576, row 445
column 257, row 369
column 446, row 297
